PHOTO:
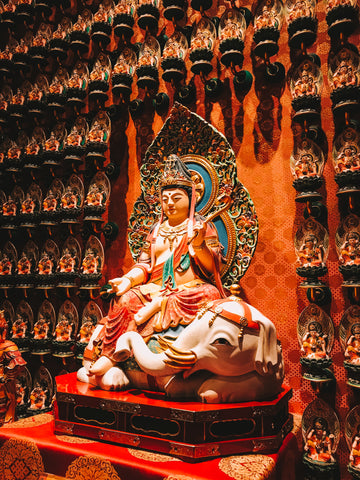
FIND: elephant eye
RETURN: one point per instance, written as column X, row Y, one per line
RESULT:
column 221, row 341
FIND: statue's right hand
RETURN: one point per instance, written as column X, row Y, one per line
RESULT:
column 120, row 285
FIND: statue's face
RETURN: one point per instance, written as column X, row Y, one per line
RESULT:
column 175, row 204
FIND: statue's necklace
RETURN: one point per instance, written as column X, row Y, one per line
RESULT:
column 171, row 233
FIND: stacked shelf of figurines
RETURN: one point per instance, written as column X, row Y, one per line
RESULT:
column 54, row 193
column 344, row 76
column 320, row 424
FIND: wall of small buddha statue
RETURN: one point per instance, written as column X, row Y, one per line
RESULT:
column 85, row 88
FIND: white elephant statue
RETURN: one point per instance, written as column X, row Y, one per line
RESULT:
column 229, row 353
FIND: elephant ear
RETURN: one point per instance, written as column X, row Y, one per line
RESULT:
column 212, row 163
column 267, row 354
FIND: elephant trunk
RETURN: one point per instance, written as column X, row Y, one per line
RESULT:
column 168, row 362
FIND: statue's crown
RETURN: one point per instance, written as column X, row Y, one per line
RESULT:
column 175, row 173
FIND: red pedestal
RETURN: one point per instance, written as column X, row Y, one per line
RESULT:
column 189, row 430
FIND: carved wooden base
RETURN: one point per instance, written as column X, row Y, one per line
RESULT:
column 191, row 430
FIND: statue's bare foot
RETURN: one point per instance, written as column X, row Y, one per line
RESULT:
column 148, row 311
column 101, row 366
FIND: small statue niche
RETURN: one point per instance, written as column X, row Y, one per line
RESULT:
column 311, row 247
column 321, row 434
column 43, row 328
column 352, row 436
column 41, row 395
column 316, row 337
column 349, row 334
column 51, row 204
column 65, row 331
column 26, row 266
column 72, row 200
column 54, row 146
column 69, row 263
column 22, row 326
column 91, row 316
column 47, row 265
column 347, row 240
column 307, row 165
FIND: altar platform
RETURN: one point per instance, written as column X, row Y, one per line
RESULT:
column 29, row 450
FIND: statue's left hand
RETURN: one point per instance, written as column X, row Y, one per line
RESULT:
column 199, row 233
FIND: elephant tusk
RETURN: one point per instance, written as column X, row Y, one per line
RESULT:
column 177, row 351
column 164, row 344
column 177, row 366
column 186, row 358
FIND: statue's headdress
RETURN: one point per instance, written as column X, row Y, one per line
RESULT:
column 175, row 174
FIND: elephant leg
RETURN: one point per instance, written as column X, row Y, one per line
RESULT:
column 245, row 388
column 83, row 375
column 179, row 387
column 113, row 379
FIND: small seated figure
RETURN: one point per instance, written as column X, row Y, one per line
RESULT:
column 21, row 390
column 45, row 265
column 9, row 208
column 3, row 103
column 77, row 81
column 67, row 262
column 75, row 139
column 314, row 342
column 99, row 73
column 50, row 202
column 19, row 327
column 305, row 85
column 56, row 86
column 39, row 40
column 101, row 15
column 230, row 30
column 310, row 254
column 28, row 205
column 97, row 133
column 10, row 6
column 123, row 8
column 352, row 351
column 35, row 94
column 41, row 328
column 69, row 200
column 21, row 47
column 319, row 442
column 63, row 329
column 52, row 144
column 38, row 398
column 350, row 249
column 18, row 98
column 5, row 265
column 95, row 196
column 91, row 263
column 202, row 41
column 24, row 265
column 33, row 147
column 14, row 152
column 59, row 33
column 11, row 366
column 300, row 9
column 305, row 166
column 6, row 54
column 267, row 19
column 122, row 66
column 86, row 330
column 344, row 76
column 355, row 450
column 348, row 160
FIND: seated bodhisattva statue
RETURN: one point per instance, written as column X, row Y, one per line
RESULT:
column 176, row 280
